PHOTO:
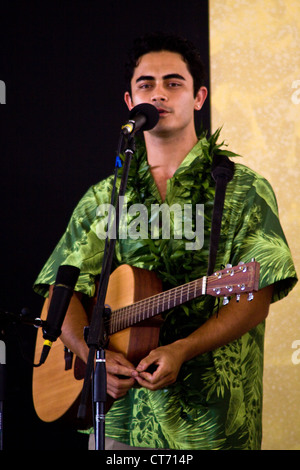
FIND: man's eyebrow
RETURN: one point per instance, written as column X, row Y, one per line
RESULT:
column 144, row 77
column 173, row 75
column 165, row 77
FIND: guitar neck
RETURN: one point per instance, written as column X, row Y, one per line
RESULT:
column 240, row 279
column 154, row 305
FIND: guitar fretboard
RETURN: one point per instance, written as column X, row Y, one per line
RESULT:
column 231, row 280
column 154, row 305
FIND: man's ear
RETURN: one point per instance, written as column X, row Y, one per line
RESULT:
column 200, row 98
column 128, row 100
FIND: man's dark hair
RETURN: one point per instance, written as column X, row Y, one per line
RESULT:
column 156, row 42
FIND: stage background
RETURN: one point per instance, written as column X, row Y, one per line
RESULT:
column 255, row 90
column 62, row 63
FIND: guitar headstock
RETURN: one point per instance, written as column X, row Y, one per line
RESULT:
column 234, row 281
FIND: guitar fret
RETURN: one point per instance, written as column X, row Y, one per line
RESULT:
column 136, row 313
column 119, row 325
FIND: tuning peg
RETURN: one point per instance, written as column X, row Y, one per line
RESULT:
column 229, row 269
column 225, row 301
column 250, row 296
column 238, row 296
column 242, row 266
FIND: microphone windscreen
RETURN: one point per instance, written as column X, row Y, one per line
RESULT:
column 149, row 111
column 67, row 275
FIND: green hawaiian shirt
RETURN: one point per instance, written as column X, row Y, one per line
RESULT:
column 216, row 402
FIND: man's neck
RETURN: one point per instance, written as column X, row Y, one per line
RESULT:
column 165, row 154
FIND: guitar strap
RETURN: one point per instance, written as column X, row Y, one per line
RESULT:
column 222, row 172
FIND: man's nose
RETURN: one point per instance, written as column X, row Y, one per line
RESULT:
column 159, row 95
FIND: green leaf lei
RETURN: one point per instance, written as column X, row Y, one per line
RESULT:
column 192, row 184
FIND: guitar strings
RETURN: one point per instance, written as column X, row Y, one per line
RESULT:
column 151, row 306
column 146, row 308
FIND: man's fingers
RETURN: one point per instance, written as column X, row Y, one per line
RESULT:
column 117, row 364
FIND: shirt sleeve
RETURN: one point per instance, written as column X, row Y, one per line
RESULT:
column 80, row 245
column 259, row 235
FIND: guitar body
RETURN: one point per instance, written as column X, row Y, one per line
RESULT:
column 56, row 391
column 128, row 285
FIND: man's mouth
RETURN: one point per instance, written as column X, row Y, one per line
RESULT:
column 162, row 111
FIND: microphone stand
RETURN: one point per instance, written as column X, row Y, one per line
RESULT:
column 97, row 335
column 2, row 387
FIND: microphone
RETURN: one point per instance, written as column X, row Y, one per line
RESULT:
column 66, row 279
column 142, row 117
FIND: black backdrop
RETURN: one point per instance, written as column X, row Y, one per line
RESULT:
column 62, row 64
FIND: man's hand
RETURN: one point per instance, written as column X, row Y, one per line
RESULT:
column 117, row 369
column 167, row 360
column 233, row 320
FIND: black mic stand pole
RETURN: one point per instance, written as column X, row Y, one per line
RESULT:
column 97, row 335
column 2, row 386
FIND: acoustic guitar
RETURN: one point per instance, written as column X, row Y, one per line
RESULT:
column 136, row 301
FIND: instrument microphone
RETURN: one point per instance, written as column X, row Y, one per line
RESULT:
column 66, row 279
column 142, row 117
